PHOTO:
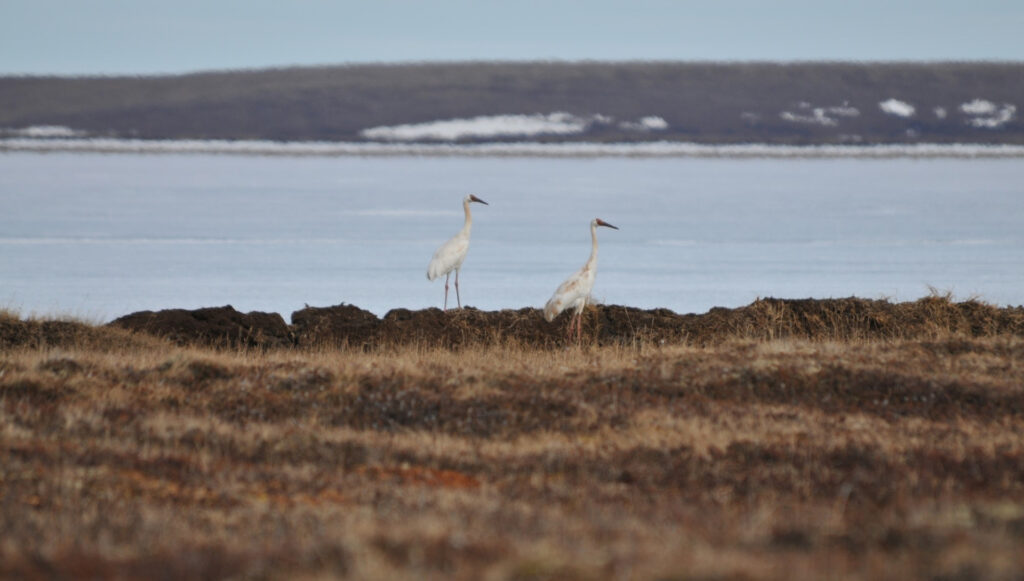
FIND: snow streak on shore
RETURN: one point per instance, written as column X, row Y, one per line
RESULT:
column 508, row 126
column 515, row 149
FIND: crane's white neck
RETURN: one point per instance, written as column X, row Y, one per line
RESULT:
column 469, row 216
column 593, row 243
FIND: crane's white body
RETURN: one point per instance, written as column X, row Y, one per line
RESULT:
column 452, row 253
column 575, row 291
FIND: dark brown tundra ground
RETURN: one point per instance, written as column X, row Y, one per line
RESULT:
column 889, row 449
column 349, row 326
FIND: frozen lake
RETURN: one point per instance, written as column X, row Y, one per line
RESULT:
column 102, row 235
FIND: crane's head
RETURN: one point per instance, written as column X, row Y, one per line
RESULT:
column 472, row 198
column 600, row 222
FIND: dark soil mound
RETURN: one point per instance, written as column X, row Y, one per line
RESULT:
column 214, row 326
column 817, row 319
column 349, row 326
column 335, row 326
column 346, row 325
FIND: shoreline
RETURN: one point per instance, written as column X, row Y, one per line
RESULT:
column 653, row 149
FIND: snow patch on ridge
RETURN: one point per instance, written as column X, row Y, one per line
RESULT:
column 482, row 127
column 496, row 126
column 978, row 107
column 44, row 132
column 649, row 123
column 897, row 108
column 825, row 116
column 987, row 115
column 817, row 117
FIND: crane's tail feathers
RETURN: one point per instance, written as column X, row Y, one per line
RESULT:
column 433, row 272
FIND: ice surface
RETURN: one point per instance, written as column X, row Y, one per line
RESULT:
column 103, row 235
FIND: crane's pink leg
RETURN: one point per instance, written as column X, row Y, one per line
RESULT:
column 446, row 291
column 457, row 298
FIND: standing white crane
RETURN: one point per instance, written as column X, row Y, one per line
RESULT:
column 574, row 292
column 450, row 255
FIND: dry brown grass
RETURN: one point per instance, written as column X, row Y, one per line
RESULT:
column 124, row 456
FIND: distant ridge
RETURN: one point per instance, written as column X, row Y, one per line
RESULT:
column 801, row 103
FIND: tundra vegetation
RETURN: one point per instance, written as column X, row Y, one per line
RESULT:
column 838, row 439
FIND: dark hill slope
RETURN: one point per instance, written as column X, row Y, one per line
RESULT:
column 701, row 102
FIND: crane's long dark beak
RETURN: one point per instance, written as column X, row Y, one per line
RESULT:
column 473, row 198
column 601, row 222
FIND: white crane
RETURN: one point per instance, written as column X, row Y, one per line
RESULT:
column 450, row 255
column 574, row 292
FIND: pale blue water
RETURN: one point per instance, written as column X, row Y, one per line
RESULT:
column 102, row 235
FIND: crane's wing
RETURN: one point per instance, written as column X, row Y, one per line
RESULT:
column 448, row 257
column 569, row 293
